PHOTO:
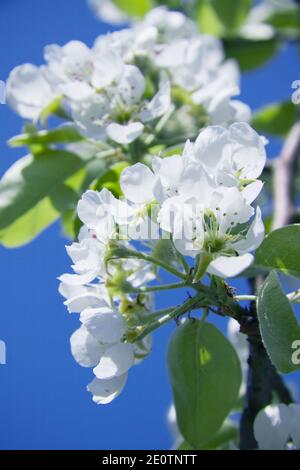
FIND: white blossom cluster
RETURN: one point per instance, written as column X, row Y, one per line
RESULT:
column 202, row 200
column 122, row 86
column 100, row 342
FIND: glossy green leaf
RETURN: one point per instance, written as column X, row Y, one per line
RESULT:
column 222, row 17
column 29, row 225
column 43, row 214
column 278, row 325
column 61, row 135
column 250, row 54
column 135, row 8
column 286, row 21
column 206, row 376
column 208, row 20
column 281, row 250
column 228, row 432
column 275, row 119
column 32, row 179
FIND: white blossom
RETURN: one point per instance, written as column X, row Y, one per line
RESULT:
column 107, row 11
column 277, row 427
column 28, row 91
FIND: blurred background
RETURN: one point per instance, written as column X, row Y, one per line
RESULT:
column 43, row 398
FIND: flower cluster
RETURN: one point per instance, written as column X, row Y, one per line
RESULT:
column 130, row 79
column 100, row 342
column 201, row 201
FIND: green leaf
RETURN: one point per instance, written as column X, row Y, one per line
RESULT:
column 30, row 179
column 286, row 21
column 206, row 376
column 228, row 432
column 135, row 8
column 61, row 135
column 222, row 17
column 208, row 20
column 281, row 250
column 232, row 13
column 111, row 179
column 275, row 119
column 28, row 226
column 250, row 54
column 185, row 446
column 278, row 325
column 43, row 214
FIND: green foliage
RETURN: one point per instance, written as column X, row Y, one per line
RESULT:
column 206, row 376
column 222, row 17
column 275, row 119
column 281, row 250
column 250, row 54
column 286, row 21
column 135, row 8
column 29, row 225
column 61, row 135
column 278, row 324
column 34, row 191
column 228, row 432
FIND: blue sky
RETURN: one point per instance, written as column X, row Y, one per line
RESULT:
column 43, row 402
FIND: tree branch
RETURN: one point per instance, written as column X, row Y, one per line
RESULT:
column 283, row 176
column 259, row 391
column 263, row 379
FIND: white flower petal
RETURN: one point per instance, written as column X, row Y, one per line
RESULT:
column 79, row 279
column 105, row 325
column 172, row 55
column 27, row 91
column 159, row 104
column 254, row 237
column 68, row 291
column 132, row 85
column 271, row 427
column 225, row 266
column 115, row 361
column 104, row 391
column 87, row 208
column 77, row 90
column 108, row 68
column 210, row 145
column 252, row 190
column 86, row 350
column 250, row 161
column 124, row 134
column 257, row 31
column 241, row 111
column 80, row 302
column 137, row 182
